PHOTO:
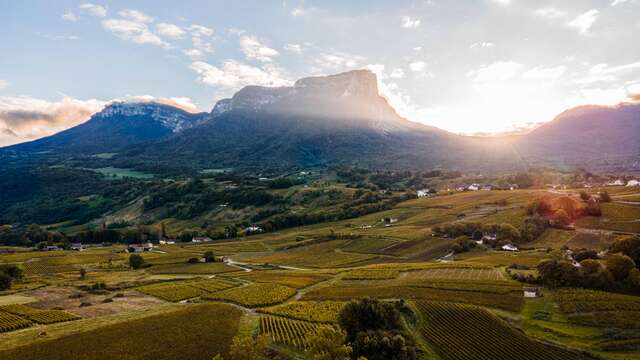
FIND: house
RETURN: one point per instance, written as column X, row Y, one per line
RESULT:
column 389, row 220
column 424, row 193
column 447, row 258
column 77, row 247
column 532, row 292
column 633, row 183
column 167, row 242
column 473, row 187
column 52, row 248
column 487, row 187
column 201, row 239
column 137, row 248
column 617, row 182
column 509, row 247
column 489, row 237
column 253, row 229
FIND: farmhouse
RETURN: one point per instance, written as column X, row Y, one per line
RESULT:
column 253, row 229
column 509, row 247
column 425, row 193
column 633, row 183
column 140, row 247
column 52, row 248
column 473, row 187
column 167, row 242
column 201, row 239
column 531, row 292
column 77, row 247
column 617, row 182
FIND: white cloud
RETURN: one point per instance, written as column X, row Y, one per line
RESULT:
column 549, row 13
column 633, row 91
column 136, row 16
column 194, row 54
column 294, row 48
column 199, row 30
column 542, row 73
column 584, row 21
column 201, row 45
column 170, row 30
column 417, row 48
column 417, row 66
column 183, row 102
column 502, row 2
column 93, row 9
column 618, row 2
column 233, row 74
column 25, row 118
column 397, row 73
column 3, row 84
column 598, row 96
column 410, row 23
column 498, row 71
column 338, row 61
column 136, row 32
column 254, row 49
column 69, row 16
column 483, row 44
column 297, row 12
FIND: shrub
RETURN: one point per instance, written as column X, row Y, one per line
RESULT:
column 136, row 261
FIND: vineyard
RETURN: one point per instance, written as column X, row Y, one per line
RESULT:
column 451, row 273
column 254, row 295
column 315, row 311
column 599, row 308
column 38, row 316
column 371, row 274
column 182, row 290
column 287, row 278
column 10, row 322
column 467, row 332
column 289, row 332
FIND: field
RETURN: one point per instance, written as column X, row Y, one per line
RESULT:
column 292, row 279
column 457, row 274
column 286, row 331
column 193, row 332
column 315, row 311
column 10, row 322
column 469, row 332
column 38, row 316
column 254, row 295
column 182, row 290
column 121, row 173
column 598, row 308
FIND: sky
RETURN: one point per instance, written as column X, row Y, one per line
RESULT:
column 470, row 67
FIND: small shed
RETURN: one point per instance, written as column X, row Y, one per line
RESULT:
column 532, row 292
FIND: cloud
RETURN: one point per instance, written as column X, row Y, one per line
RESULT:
column 618, row 2
column 482, row 45
column 137, row 32
column 633, row 92
column 549, row 13
column 183, row 102
column 542, row 73
column 200, row 30
column 69, row 16
column 410, row 23
column 170, row 30
column 59, row 37
column 502, row 2
column 584, row 21
column 498, row 71
column 233, row 74
column 136, row 16
column 93, row 9
column 417, row 66
column 254, row 49
column 338, row 61
column 26, row 118
column 3, row 84
column 294, row 48
column 298, row 12
column 397, row 73
column 194, row 54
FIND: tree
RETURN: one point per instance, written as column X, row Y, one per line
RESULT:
column 5, row 281
column 620, row 265
column 585, row 254
column 249, row 348
column 554, row 273
column 561, row 218
column 368, row 314
column 584, row 196
column 329, row 344
column 209, row 256
column 605, row 197
column 629, row 246
column 136, row 261
column 384, row 345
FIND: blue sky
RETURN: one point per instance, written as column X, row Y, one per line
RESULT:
column 465, row 66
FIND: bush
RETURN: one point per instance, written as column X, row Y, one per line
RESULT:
column 605, row 197
column 193, row 260
column 136, row 261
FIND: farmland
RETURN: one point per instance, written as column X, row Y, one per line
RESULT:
column 286, row 284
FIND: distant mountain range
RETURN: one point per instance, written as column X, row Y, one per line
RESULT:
column 337, row 119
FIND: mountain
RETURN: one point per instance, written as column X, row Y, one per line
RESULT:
column 319, row 121
column 594, row 137
column 117, row 126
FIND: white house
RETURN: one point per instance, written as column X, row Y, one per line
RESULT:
column 52, row 248
column 531, row 292
column 77, row 247
column 473, row 187
column 201, row 239
column 167, row 242
column 424, row 193
column 509, row 247
column 253, row 229
column 633, row 183
column 140, row 247
column 617, row 182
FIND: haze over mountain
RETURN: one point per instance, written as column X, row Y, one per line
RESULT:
column 337, row 119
